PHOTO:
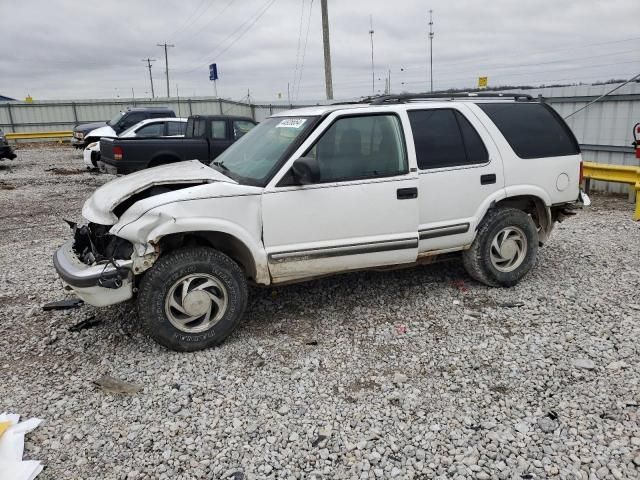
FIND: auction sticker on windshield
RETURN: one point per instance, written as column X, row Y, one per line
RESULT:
column 292, row 123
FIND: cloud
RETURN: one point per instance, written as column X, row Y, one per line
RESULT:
column 94, row 49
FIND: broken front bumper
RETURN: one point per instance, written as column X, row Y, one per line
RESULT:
column 100, row 284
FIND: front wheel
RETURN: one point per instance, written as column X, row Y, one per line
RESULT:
column 192, row 299
column 505, row 248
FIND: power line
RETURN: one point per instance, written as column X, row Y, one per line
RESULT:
column 602, row 96
column 206, row 24
column 190, row 17
column 255, row 20
column 304, row 50
column 295, row 70
column 149, row 60
column 540, row 52
column 248, row 24
column 166, row 63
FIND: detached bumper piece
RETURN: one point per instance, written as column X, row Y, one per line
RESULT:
column 96, row 267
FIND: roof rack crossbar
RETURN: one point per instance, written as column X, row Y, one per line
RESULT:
column 404, row 97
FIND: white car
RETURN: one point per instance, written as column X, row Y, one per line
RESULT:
column 394, row 181
column 153, row 127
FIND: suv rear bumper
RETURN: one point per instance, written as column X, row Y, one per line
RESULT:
column 87, row 281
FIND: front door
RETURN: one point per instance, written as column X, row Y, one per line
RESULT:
column 363, row 210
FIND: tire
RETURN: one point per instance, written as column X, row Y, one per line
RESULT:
column 516, row 233
column 164, row 309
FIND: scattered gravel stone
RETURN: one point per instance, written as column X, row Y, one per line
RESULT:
column 584, row 363
column 547, row 425
column 480, row 384
column 399, row 378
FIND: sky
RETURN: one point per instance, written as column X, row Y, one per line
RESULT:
column 273, row 48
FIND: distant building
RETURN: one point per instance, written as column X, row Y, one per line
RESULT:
column 7, row 99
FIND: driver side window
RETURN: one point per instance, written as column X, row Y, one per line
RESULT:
column 361, row 147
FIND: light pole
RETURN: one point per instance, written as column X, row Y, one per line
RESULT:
column 431, row 48
column 166, row 63
column 373, row 75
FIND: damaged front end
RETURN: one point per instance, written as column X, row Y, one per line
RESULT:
column 96, row 265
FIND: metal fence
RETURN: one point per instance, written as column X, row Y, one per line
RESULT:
column 604, row 130
column 63, row 115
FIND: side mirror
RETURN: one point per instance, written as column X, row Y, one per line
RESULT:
column 306, row 170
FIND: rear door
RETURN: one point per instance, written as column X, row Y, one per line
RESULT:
column 219, row 138
column 195, row 145
column 460, row 170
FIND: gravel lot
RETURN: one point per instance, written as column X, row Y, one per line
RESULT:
column 417, row 373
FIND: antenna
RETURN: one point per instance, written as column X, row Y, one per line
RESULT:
column 431, row 49
column 373, row 75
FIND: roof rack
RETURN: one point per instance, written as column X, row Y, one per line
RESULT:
column 407, row 97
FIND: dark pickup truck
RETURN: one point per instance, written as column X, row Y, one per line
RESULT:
column 206, row 137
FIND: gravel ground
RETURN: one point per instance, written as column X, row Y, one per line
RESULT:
column 417, row 373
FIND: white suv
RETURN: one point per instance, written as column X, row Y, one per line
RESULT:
column 392, row 181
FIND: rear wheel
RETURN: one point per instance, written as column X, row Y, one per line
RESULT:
column 192, row 299
column 505, row 248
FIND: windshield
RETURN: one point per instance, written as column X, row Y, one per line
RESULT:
column 258, row 152
column 115, row 119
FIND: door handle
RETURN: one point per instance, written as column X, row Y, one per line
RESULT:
column 407, row 193
column 488, row 179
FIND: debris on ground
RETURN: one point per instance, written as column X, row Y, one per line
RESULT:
column 65, row 304
column 114, row 385
column 65, row 171
column 85, row 324
column 12, row 433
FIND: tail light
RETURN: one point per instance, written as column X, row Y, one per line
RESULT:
column 117, row 155
column 581, row 172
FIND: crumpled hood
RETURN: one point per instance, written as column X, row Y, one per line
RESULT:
column 99, row 207
column 104, row 131
column 87, row 127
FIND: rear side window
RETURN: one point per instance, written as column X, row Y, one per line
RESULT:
column 152, row 130
column 445, row 138
column 176, row 128
column 532, row 129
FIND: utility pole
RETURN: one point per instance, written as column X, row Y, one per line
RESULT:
column 431, row 48
column 327, row 50
column 373, row 75
column 149, row 60
column 166, row 63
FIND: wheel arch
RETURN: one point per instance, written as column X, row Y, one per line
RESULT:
column 163, row 158
column 535, row 206
column 221, row 241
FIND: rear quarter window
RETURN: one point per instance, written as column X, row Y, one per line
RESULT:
column 533, row 130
